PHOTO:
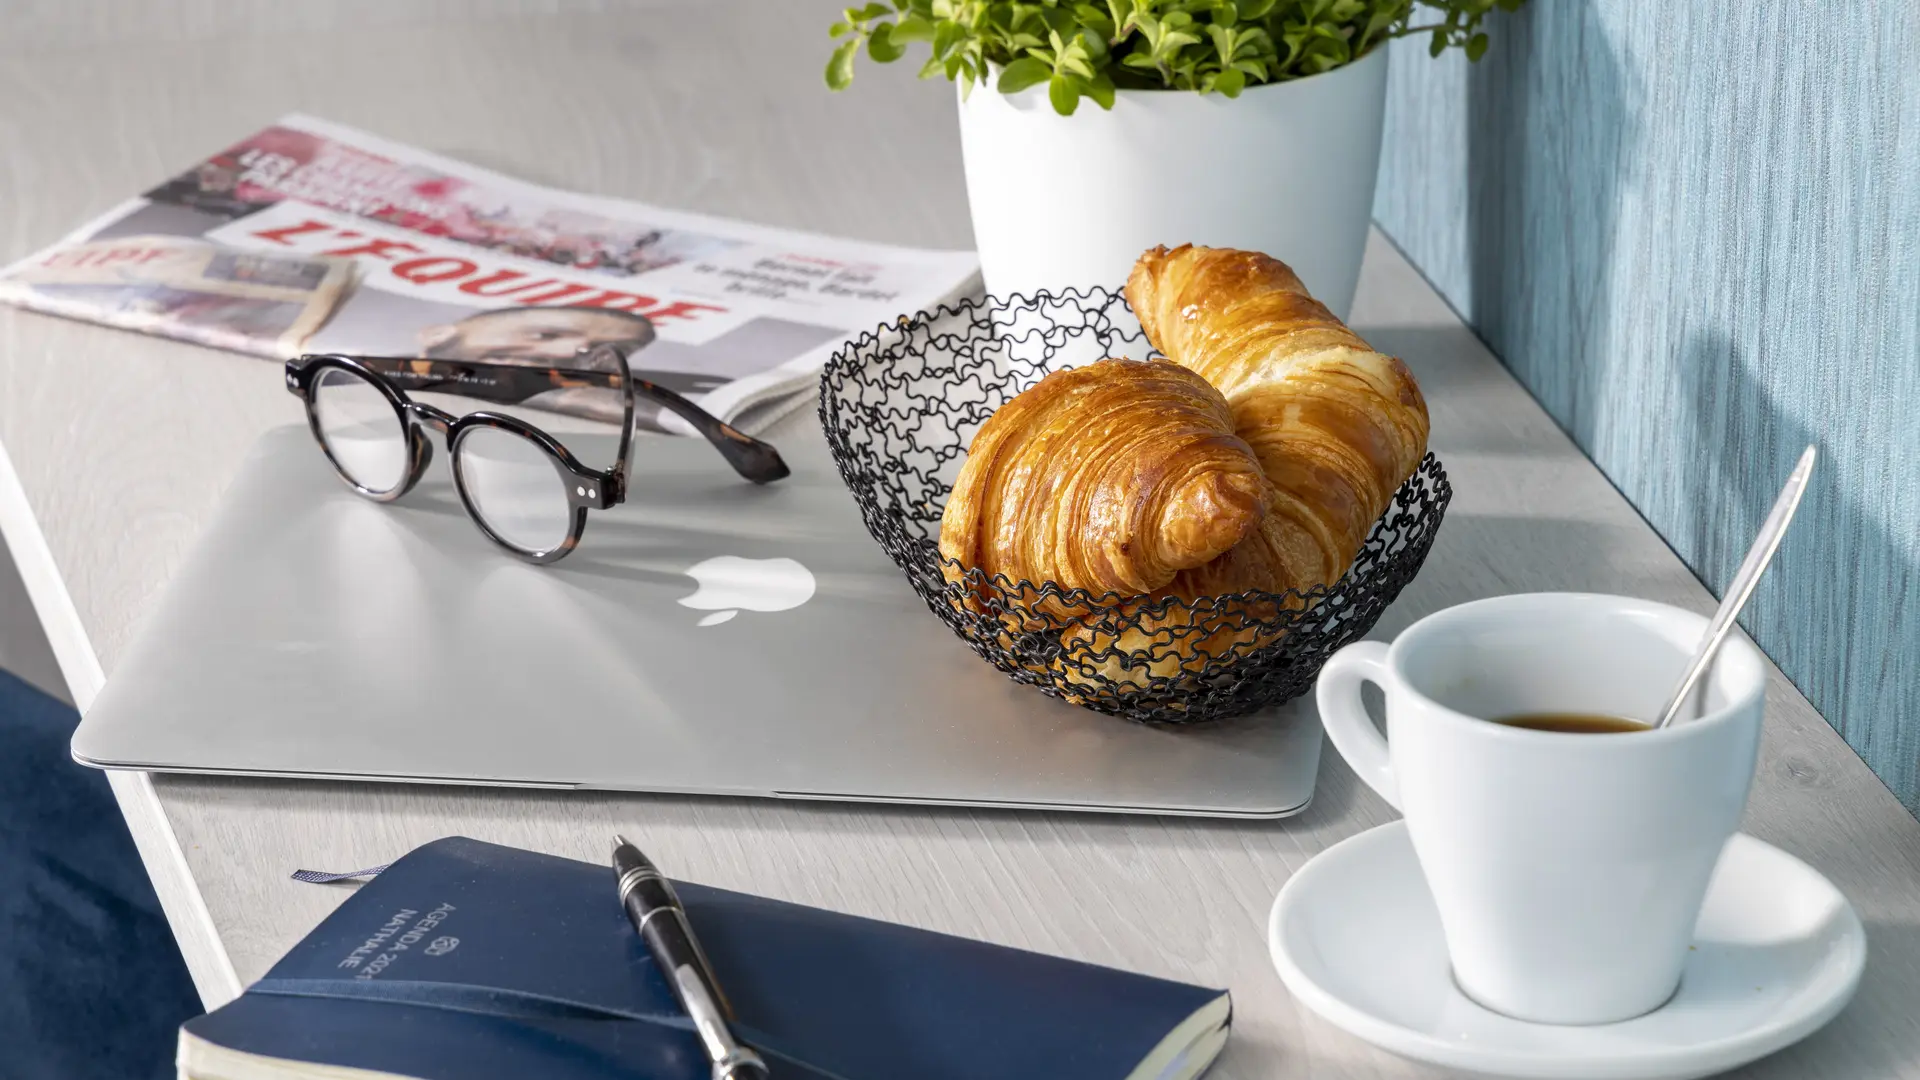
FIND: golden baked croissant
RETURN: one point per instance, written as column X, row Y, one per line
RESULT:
column 1336, row 426
column 1110, row 477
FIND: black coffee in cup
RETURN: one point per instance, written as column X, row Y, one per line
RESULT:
column 1570, row 723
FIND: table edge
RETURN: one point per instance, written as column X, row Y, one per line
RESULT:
column 153, row 836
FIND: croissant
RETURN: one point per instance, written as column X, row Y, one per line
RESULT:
column 1336, row 426
column 1111, row 477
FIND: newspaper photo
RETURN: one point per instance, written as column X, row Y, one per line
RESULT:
column 312, row 237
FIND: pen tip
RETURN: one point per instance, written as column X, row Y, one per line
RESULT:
column 620, row 841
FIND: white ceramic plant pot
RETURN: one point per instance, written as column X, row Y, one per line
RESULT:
column 1286, row 168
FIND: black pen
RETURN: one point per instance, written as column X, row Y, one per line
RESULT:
column 656, row 913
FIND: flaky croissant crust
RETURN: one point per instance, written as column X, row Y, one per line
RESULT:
column 1337, row 427
column 1111, row 477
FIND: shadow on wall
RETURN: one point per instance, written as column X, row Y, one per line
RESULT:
column 1544, row 191
column 1657, row 252
column 1838, row 573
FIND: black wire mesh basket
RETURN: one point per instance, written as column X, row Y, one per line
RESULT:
column 900, row 406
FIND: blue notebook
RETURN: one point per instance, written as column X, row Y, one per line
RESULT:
column 471, row 961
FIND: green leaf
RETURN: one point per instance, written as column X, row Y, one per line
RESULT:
column 1023, row 73
column 1074, row 60
column 933, row 66
column 1223, row 39
column 1059, row 20
column 838, row 29
column 1476, row 47
column 1064, row 95
column 1439, row 43
column 1230, row 82
column 1094, row 21
column 881, row 46
column 946, row 35
column 1377, row 24
column 1100, row 89
column 1254, row 9
column 840, row 64
column 912, row 28
column 871, row 11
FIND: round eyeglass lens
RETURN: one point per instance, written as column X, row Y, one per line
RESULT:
column 361, row 430
column 515, row 488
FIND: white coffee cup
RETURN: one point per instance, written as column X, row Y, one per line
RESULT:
column 1568, row 869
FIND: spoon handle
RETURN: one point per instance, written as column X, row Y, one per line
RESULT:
column 1772, row 531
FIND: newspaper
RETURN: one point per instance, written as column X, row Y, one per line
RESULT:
column 313, row 237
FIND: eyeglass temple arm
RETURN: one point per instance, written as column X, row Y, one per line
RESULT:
column 506, row 384
column 755, row 460
column 515, row 383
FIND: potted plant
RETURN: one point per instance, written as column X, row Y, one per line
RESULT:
column 1235, row 123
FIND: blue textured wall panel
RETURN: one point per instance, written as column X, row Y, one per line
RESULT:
column 1692, row 229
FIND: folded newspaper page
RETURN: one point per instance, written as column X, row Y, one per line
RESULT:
column 313, row 237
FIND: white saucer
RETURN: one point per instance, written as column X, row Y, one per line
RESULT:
column 1777, row 953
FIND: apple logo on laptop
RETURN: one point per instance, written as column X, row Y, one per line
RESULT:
column 730, row 584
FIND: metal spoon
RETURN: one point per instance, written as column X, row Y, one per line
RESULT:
column 1772, row 531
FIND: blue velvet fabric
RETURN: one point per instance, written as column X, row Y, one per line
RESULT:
column 91, row 982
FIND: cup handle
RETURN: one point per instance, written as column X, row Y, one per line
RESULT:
column 1345, row 716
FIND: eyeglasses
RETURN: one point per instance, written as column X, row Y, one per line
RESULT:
column 520, row 485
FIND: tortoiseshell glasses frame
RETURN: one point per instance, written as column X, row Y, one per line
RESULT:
column 586, row 488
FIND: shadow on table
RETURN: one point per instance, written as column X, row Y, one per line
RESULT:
column 437, row 499
column 1477, row 406
column 1476, row 556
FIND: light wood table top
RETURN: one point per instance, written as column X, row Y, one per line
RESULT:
column 117, row 448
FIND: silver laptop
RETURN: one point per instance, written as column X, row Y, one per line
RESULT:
column 709, row 636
